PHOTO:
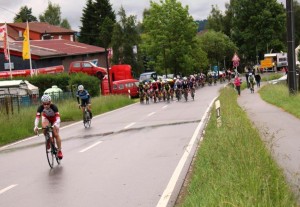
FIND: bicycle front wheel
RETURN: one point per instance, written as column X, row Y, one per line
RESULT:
column 87, row 120
column 50, row 155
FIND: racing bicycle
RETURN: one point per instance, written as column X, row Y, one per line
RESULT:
column 86, row 117
column 52, row 152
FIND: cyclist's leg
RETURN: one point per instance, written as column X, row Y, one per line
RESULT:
column 45, row 123
column 57, row 136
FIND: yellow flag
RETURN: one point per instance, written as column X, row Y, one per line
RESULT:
column 26, row 45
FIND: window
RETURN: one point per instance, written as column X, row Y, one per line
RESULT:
column 121, row 86
column 115, row 87
column 87, row 65
column 76, row 65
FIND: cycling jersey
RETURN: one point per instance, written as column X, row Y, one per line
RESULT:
column 84, row 96
column 50, row 113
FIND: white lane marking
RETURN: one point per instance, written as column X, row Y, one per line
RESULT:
column 151, row 114
column 165, row 106
column 129, row 125
column 7, row 188
column 164, row 199
column 93, row 145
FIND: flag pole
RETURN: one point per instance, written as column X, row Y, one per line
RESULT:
column 30, row 62
column 8, row 51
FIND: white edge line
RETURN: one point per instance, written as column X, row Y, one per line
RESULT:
column 79, row 122
column 165, row 106
column 164, row 199
column 93, row 145
column 129, row 125
column 151, row 114
column 7, row 188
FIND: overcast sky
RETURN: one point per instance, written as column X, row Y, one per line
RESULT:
column 72, row 9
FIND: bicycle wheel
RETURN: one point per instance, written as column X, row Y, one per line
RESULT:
column 87, row 119
column 49, row 153
column 55, row 152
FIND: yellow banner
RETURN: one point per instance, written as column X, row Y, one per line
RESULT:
column 26, row 46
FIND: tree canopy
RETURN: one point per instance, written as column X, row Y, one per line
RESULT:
column 94, row 15
column 24, row 15
column 169, row 39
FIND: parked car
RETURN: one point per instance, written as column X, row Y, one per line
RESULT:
column 148, row 76
column 126, row 87
column 88, row 68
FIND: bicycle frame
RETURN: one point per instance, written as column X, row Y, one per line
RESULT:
column 86, row 117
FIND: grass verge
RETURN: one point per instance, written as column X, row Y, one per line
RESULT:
column 233, row 167
column 20, row 125
column 278, row 95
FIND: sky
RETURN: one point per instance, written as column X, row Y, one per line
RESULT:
column 72, row 9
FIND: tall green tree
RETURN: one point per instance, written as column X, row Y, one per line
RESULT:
column 297, row 22
column 169, row 39
column 125, row 41
column 94, row 15
column 52, row 15
column 24, row 15
column 258, row 27
column 215, row 20
column 219, row 48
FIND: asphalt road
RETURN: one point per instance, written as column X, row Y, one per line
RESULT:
column 135, row 156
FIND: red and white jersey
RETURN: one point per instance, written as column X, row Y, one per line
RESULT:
column 50, row 113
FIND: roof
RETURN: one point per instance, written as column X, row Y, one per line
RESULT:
column 11, row 83
column 55, row 47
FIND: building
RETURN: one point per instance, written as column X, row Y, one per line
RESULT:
column 50, row 46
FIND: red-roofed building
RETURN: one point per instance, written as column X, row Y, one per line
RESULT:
column 59, row 49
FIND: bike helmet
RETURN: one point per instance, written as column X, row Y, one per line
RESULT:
column 80, row 87
column 46, row 98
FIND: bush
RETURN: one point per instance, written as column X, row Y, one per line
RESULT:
column 91, row 83
column 45, row 81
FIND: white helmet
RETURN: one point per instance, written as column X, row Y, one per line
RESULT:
column 80, row 87
column 46, row 98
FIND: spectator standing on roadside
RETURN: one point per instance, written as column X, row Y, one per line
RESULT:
column 257, row 80
column 237, row 83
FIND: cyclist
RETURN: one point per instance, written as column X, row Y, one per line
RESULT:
column 50, row 115
column 85, row 99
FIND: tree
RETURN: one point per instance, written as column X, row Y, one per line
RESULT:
column 215, row 20
column 94, row 15
column 169, row 39
column 217, row 46
column 258, row 27
column 24, row 15
column 297, row 22
column 125, row 38
column 51, row 15
column 65, row 24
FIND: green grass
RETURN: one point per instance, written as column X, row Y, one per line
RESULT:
column 272, row 76
column 233, row 167
column 278, row 95
column 20, row 125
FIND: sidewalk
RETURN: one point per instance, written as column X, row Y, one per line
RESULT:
column 281, row 132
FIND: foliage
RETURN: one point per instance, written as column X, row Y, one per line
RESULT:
column 90, row 83
column 94, row 15
column 45, row 81
column 215, row 20
column 51, row 15
column 233, row 167
column 262, row 22
column 278, row 95
column 24, row 15
column 65, row 24
column 297, row 22
column 169, row 38
column 217, row 45
column 125, row 38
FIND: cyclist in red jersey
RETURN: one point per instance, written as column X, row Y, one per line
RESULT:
column 49, row 113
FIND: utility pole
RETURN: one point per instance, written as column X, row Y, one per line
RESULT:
column 291, row 76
